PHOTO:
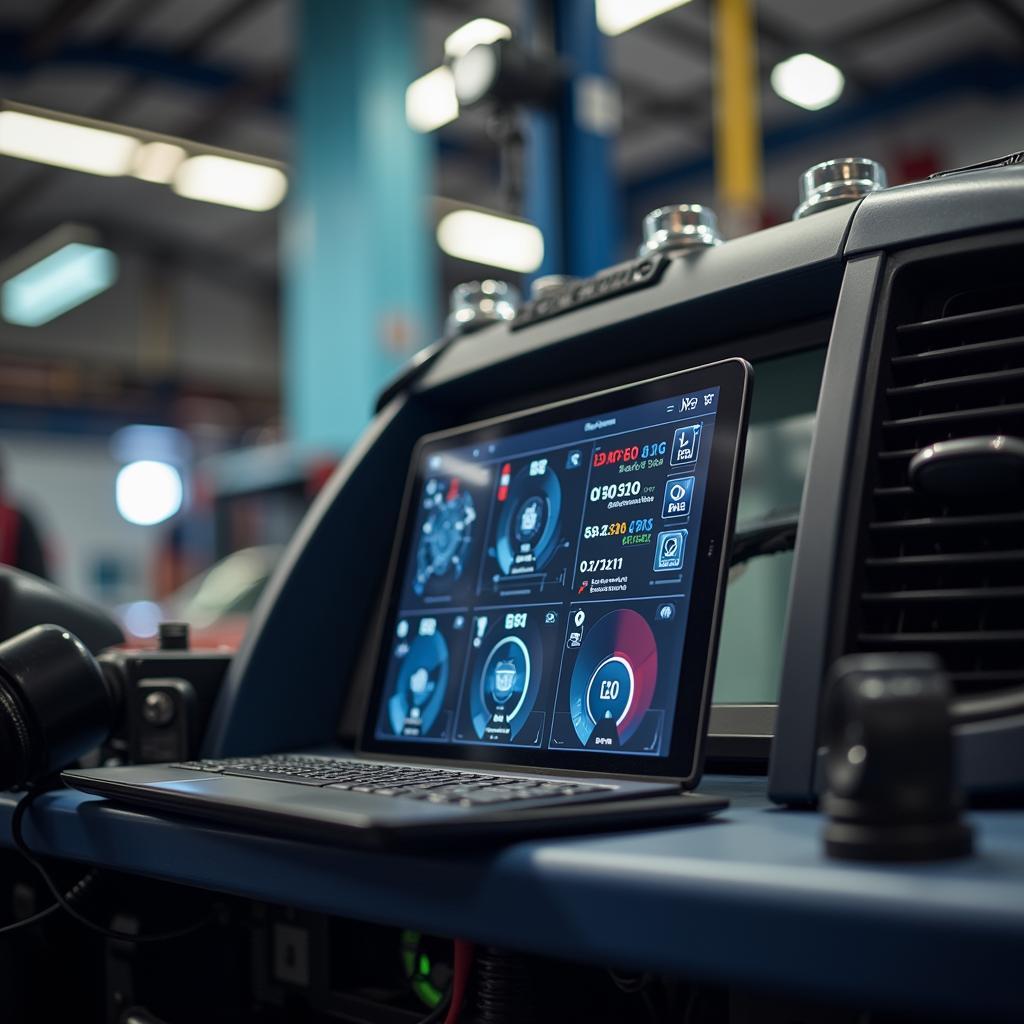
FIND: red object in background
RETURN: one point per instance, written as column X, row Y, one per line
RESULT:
column 504, row 480
column 453, row 490
column 319, row 473
column 913, row 165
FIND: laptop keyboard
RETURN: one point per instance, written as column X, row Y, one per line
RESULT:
column 434, row 785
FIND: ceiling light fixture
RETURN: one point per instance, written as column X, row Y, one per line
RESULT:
column 808, row 81
column 66, row 144
column 61, row 270
column 229, row 182
column 158, row 161
column 430, row 101
column 492, row 240
column 148, row 492
column 617, row 16
column 474, row 33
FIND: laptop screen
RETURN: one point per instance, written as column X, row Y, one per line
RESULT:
column 555, row 582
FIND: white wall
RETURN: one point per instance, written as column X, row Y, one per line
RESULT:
column 67, row 483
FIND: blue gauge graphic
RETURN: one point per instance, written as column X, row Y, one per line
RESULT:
column 419, row 689
column 445, row 536
column 505, row 684
column 527, row 533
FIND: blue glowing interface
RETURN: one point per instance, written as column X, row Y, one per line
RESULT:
column 545, row 586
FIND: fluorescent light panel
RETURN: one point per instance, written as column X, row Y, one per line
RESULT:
column 808, row 81
column 65, row 144
column 430, row 101
column 220, row 179
column 59, row 282
column 51, row 138
column 617, row 16
column 477, row 32
column 157, row 162
column 491, row 240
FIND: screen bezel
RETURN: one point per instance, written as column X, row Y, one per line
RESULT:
column 689, row 727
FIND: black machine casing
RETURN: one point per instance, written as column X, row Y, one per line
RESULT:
column 305, row 666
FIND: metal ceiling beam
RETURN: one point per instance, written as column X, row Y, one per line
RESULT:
column 1013, row 17
column 45, row 39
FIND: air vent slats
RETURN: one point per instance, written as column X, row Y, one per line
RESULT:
column 995, row 378
column 985, row 319
column 956, row 416
column 950, row 522
column 982, row 349
column 945, row 572
column 948, row 595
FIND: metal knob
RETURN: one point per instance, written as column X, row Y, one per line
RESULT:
column 842, row 180
column 158, row 708
column 549, row 283
column 687, row 226
column 474, row 304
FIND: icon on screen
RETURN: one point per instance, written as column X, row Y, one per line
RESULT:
column 678, row 496
column 669, row 551
column 685, row 444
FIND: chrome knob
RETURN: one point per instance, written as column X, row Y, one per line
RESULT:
column 474, row 304
column 842, row 180
column 549, row 283
column 158, row 708
column 687, row 226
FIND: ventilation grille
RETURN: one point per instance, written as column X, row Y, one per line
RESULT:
column 946, row 575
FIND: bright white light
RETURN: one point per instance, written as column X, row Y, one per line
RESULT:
column 474, row 33
column 474, row 74
column 430, row 101
column 808, row 81
column 157, row 162
column 492, row 240
column 219, row 179
column 59, row 282
column 141, row 618
column 148, row 492
column 617, row 16
column 63, row 144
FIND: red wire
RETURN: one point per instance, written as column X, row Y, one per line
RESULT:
column 464, row 952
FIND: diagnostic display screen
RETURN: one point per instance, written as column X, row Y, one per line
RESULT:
column 555, row 583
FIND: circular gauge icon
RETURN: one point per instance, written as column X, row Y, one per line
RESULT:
column 527, row 534
column 446, row 534
column 505, row 684
column 419, row 689
column 614, row 678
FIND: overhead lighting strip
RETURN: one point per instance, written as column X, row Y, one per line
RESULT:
column 192, row 170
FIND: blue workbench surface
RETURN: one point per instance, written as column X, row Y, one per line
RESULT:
column 748, row 899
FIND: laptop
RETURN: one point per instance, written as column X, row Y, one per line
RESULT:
column 546, row 653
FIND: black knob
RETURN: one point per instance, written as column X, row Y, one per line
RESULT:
column 970, row 467
column 173, row 636
column 892, row 791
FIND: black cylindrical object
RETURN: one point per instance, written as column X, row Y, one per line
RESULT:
column 892, row 791
column 174, row 636
column 55, row 704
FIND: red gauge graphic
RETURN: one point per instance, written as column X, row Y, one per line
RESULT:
column 614, row 679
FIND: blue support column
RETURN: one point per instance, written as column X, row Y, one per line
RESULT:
column 542, row 199
column 358, row 274
column 592, row 221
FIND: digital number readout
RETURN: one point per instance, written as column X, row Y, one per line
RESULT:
column 608, row 492
column 619, row 529
column 611, row 456
column 589, row 565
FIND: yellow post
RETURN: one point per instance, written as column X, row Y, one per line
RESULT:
column 737, row 117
